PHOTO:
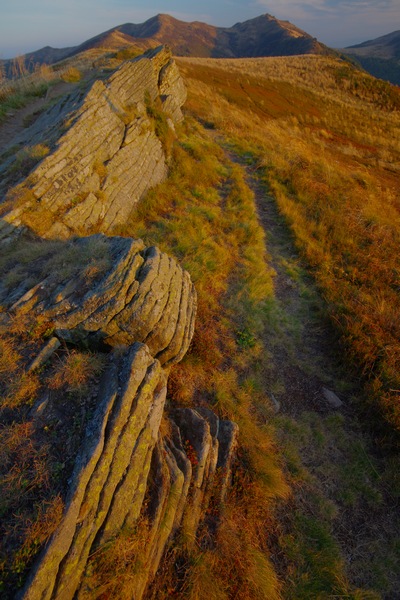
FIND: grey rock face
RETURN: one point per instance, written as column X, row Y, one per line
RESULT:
column 143, row 295
column 210, row 445
column 123, row 429
column 108, row 155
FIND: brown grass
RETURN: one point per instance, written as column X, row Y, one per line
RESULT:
column 331, row 159
column 75, row 372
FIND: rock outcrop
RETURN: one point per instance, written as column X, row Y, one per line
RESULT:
column 142, row 295
column 132, row 303
column 138, row 300
column 104, row 152
column 105, row 492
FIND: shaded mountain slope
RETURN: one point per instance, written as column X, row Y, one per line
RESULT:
column 386, row 46
column 380, row 56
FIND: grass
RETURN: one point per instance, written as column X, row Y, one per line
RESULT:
column 75, row 372
column 162, row 129
column 204, row 215
column 71, row 75
column 336, row 477
column 325, row 141
column 334, row 177
column 28, row 261
column 14, row 96
column 27, row 158
column 330, row 157
column 36, row 453
column 43, row 413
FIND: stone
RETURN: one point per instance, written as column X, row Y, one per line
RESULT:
column 126, row 421
column 50, row 347
column 142, row 295
column 167, row 490
column 331, row 398
column 104, row 154
column 198, row 445
column 128, row 497
column 113, row 294
column 87, row 213
column 228, row 441
column 173, row 91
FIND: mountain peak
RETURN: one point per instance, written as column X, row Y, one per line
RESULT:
column 264, row 35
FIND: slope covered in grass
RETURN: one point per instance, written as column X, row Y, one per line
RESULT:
column 326, row 139
column 310, row 513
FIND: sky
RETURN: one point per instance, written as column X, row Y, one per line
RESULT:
column 27, row 25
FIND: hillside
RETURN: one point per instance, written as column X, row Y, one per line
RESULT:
column 386, row 46
column 380, row 57
column 251, row 453
column 262, row 36
column 304, row 128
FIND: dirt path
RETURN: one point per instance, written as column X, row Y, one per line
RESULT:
column 18, row 119
column 298, row 337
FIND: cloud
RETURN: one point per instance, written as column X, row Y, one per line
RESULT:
column 333, row 6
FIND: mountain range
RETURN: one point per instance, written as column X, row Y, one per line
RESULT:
column 262, row 36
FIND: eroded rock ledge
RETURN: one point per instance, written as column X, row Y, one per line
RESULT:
column 120, row 294
column 135, row 304
column 104, row 151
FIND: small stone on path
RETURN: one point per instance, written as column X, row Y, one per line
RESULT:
column 331, row 398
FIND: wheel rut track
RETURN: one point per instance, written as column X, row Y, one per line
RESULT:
column 297, row 338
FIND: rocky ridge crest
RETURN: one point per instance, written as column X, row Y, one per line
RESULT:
column 104, row 152
column 134, row 304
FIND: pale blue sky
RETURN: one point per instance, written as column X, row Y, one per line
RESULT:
column 27, row 25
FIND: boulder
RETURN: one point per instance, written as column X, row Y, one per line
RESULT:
column 115, row 452
column 138, row 294
column 105, row 154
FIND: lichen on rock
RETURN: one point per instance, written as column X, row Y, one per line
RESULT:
column 133, row 303
column 107, row 157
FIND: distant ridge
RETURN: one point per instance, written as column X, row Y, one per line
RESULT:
column 386, row 46
column 380, row 56
column 262, row 36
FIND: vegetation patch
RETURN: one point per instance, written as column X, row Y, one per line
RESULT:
column 162, row 128
column 335, row 185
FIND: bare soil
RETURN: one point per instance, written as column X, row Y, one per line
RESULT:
column 17, row 119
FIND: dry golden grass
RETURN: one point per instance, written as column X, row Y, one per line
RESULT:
column 204, row 215
column 329, row 168
column 75, row 372
column 330, row 154
column 113, row 567
column 326, row 141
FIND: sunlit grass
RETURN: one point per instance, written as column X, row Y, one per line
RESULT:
column 331, row 165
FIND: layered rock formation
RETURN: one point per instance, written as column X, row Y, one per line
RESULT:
column 143, row 304
column 134, row 304
column 142, row 295
column 104, row 151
